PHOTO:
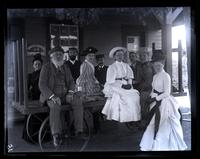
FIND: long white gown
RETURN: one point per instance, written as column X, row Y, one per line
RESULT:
column 170, row 133
column 122, row 105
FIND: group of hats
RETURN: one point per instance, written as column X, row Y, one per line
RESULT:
column 159, row 56
column 92, row 50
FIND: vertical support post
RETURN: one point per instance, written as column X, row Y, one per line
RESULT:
column 180, row 83
column 153, row 47
column 19, row 73
column 153, row 50
column 24, row 72
column 15, row 70
column 167, row 46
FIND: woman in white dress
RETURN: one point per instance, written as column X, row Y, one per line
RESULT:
column 123, row 102
column 163, row 131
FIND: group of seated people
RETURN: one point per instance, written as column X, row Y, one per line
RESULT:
column 134, row 92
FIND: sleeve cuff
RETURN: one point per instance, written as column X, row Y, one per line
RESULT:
column 70, row 91
column 51, row 96
column 157, row 98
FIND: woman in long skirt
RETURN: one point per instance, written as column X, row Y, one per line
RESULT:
column 123, row 102
column 164, row 131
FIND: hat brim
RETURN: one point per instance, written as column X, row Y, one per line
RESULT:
column 99, row 56
column 112, row 52
column 56, row 49
column 86, row 53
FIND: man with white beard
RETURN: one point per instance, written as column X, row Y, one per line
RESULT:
column 57, row 88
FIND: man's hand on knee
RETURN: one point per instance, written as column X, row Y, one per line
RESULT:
column 69, row 97
column 56, row 100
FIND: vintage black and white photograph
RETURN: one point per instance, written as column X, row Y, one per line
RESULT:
column 98, row 79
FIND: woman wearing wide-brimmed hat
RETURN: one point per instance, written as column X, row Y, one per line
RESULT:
column 123, row 102
column 163, row 131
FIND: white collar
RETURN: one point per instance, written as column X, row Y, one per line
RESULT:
column 160, row 72
column 73, row 62
column 133, row 64
column 119, row 62
column 101, row 66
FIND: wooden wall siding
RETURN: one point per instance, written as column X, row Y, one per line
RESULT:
column 154, row 36
column 104, row 38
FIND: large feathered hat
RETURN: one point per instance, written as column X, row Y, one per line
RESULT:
column 89, row 50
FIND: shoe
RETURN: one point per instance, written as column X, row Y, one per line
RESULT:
column 57, row 140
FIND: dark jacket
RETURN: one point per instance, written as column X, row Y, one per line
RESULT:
column 136, row 72
column 100, row 74
column 47, row 78
column 33, row 89
column 146, row 76
column 75, row 69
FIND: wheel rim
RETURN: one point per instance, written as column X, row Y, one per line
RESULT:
column 33, row 121
column 45, row 130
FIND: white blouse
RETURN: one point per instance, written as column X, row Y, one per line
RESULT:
column 118, row 70
column 161, row 83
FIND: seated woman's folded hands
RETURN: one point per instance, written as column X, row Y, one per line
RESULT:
column 126, row 86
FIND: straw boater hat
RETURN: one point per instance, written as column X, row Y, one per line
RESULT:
column 112, row 52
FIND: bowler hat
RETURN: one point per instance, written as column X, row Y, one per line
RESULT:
column 72, row 48
column 100, row 56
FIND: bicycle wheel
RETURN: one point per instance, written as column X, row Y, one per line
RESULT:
column 45, row 138
column 33, row 124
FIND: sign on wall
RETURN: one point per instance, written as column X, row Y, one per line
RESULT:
column 36, row 49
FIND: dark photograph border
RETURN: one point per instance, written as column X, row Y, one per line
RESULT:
column 195, row 144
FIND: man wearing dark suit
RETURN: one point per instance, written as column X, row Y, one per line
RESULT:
column 135, row 66
column 101, row 70
column 100, row 74
column 73, row 63
column 145, row 78
column 57, row 88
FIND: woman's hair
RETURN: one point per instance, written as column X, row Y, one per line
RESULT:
column 117, row 51
column 37, row 57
